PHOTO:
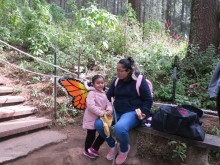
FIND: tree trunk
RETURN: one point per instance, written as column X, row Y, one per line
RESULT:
column 150, row 9
column 168, row 15
column 118, row 7
column 204, row 29
column 174, row 17
column 182, row 17
column 114, row 7
column 106, row 4
column 61, row 3
column 135, row 4
column 49, row 1
column 144, row 20
column 163, row 10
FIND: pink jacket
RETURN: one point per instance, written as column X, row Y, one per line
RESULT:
column 96, row 103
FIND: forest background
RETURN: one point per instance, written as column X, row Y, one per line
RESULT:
column 93, row 35
column 90, row 37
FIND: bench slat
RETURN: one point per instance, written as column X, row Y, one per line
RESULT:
column 210, row 141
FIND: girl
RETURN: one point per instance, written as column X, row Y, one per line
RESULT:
column 97, row 106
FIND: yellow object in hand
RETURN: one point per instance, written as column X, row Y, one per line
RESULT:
column 107, row 122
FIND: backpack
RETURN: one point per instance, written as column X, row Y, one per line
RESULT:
column 138, row 83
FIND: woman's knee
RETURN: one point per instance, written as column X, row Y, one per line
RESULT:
column 98, row 124
column 119, row 130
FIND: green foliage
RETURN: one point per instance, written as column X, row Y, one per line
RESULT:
column 195, row 72
column 57, row 13
column 214, row 154
column 99, row 39
column 215, row 131
column 4, row 34
column 61, row 122
column 61, row 110
column 35, row 93
column 152, row 26
column 17, row 90
column 46, row 103
column 197, row 64
column 94, row 17
column 179, row 150
column 129, row 14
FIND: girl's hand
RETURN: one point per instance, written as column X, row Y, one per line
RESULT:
column 108, row 112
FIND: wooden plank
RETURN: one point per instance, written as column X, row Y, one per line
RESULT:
column 7, row 100
column 13, row 127
column 16, row 110
column 210, row 141
column 5, row 90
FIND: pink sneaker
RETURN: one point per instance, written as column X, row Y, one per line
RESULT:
column 89, row 155
column 122, row 156
column 93, row 151
column 110, row 154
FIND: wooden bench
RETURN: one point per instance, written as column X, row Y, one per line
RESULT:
column 197, row 151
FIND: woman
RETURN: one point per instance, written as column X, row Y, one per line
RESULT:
column 126, row 102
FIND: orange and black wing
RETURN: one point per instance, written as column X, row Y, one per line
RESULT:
column 77, row 90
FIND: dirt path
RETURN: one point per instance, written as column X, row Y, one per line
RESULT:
column 69, row 152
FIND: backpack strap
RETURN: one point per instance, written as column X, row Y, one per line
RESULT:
column 138, row 84
column 150, row 87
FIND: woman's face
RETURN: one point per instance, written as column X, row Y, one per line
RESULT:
column 122, row 74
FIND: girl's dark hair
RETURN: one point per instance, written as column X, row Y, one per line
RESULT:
column 97, row 77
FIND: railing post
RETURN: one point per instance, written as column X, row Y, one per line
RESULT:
column 55, row 80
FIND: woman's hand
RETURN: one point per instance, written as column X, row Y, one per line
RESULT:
column 140, row 115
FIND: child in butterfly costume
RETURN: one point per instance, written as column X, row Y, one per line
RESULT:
column 97, row 105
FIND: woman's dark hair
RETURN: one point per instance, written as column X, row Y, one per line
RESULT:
column 128, row 63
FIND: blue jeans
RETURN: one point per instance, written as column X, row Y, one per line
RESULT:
column 125, row 123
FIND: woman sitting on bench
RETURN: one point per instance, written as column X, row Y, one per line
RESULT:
column 126, row 101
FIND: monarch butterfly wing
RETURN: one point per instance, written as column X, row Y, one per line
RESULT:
column 79, row 102
column 75, row 89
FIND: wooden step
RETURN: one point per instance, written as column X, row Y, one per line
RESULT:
column 16, row 110
column 17, row 126
column 11, row 100
column 4, row 90
column 23, row 145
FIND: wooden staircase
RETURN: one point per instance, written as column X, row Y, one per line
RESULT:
column 17, row 123
column 14, row 117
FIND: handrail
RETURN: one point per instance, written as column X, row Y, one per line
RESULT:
column 38, row 59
